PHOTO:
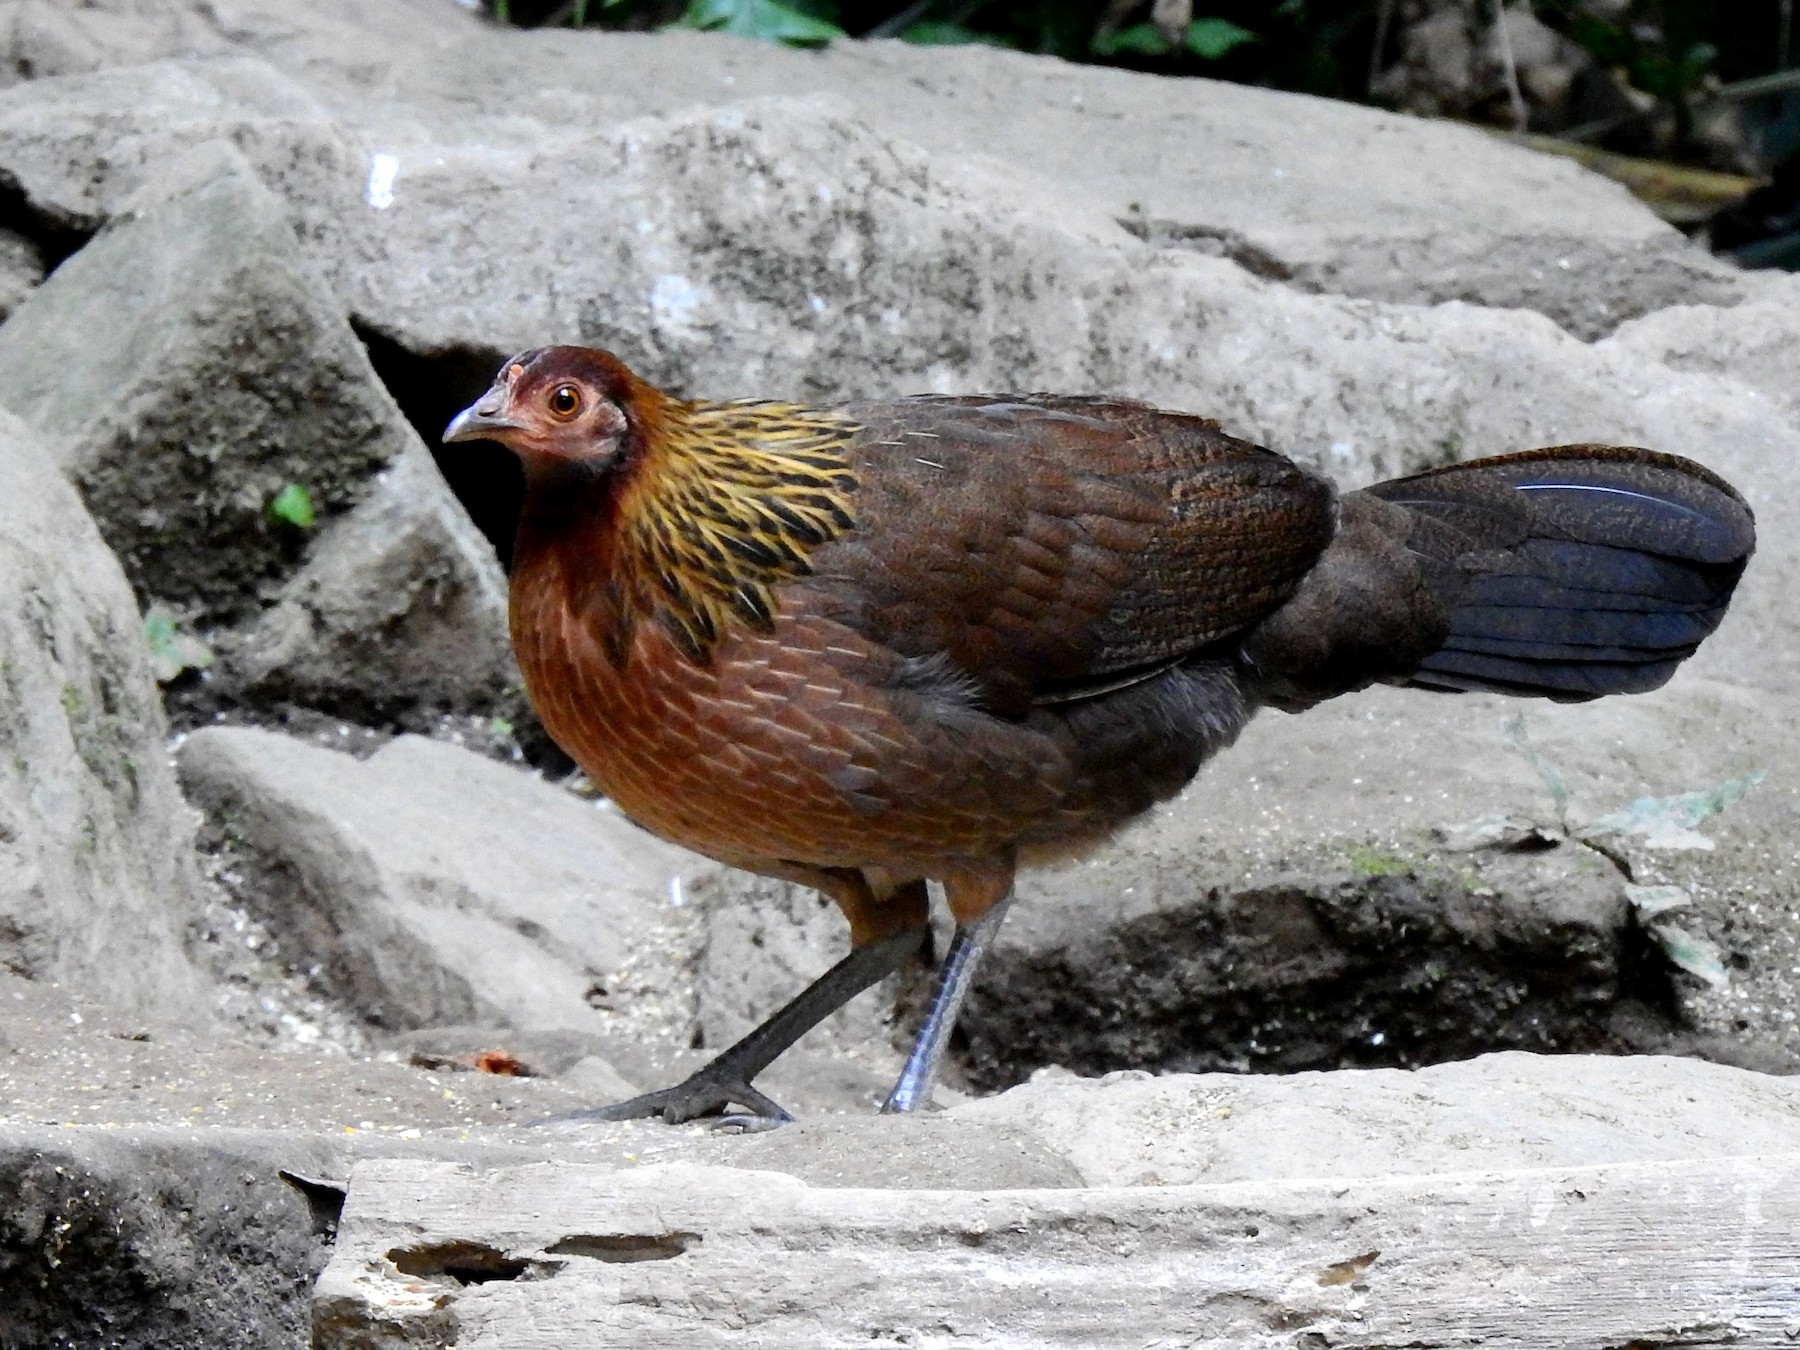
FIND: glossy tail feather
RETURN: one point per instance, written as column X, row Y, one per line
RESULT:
column 1565, row 573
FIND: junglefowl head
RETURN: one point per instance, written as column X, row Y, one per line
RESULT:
column 570, row 404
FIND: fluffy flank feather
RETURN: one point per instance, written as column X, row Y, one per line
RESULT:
column 728, row 501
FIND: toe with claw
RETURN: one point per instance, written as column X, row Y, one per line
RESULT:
column 706, row 1095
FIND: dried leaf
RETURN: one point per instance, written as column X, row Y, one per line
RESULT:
column 1693, row 954
column 1512, row 731
column 1668, row 822
column 1508, row 833
column 1347, row 1271
column 171, row 650
column 1651, row 902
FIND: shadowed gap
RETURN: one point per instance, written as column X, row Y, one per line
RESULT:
column 55, row 235
column 433, row 387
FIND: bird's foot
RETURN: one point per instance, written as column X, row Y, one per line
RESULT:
column 704, row 1096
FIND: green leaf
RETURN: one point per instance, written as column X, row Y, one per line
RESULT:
column 294, row 506
column 764, row 20
column 1141, row 39
column 1695, row 61
column 500, row 727
column 171, row 650
column 1209, row 39
column 936, row 33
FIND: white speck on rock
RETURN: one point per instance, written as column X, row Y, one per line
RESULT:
column 383, row 169
column 1541, row 1205
column 674, row 299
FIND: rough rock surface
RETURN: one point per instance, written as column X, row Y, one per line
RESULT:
column 21, row 268
column 540, row 1256
column 1310, row 960
column 1500, row 1112
column 156, row 1239
column 97, row 875
column 399, row 614
column 1190, row 164
column 190, row 373
column 428, row 886
column 176, row 1136
column 391, row 611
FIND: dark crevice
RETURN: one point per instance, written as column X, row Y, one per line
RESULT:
column 464, row 1262
column 433, row 387
column 55, row 234
column 626, row 1246
column 324, row 1198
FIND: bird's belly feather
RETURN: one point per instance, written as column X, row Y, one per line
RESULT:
column 782, row 748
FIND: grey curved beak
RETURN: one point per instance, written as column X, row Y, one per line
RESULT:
column 479, row 421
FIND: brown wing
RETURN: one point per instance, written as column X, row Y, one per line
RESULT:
column 1045, row 544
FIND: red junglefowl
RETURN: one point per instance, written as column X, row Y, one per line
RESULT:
column 871, row 644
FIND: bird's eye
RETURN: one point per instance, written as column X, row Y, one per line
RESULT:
column 565, row 401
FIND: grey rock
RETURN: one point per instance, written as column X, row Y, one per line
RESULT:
column 159, row 1239
column 545, row 1255
column 938, row 273
column 97, row 879
column 1180, row 958
column 82, row 146
column 397, row 617
column 192, row 364
column 900, row 1153
column 1441, row 1170
column 1496, row 1113
column 21, row 268
column 190, row 367
column 40, row 39
column 1752, row 344
column 599, row 1080
column 1434, row 212
column 588, row 1067
column 431, row 886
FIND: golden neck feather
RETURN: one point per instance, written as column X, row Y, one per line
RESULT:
column 724, row 503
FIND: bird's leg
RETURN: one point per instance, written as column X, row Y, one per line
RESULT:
column 883, row 934
column 978, row 900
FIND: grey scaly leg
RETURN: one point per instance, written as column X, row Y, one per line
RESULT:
column 913, row 1090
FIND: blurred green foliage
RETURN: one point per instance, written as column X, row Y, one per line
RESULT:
column 293, row 506
column 1665, row 48
column 1319, row 46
